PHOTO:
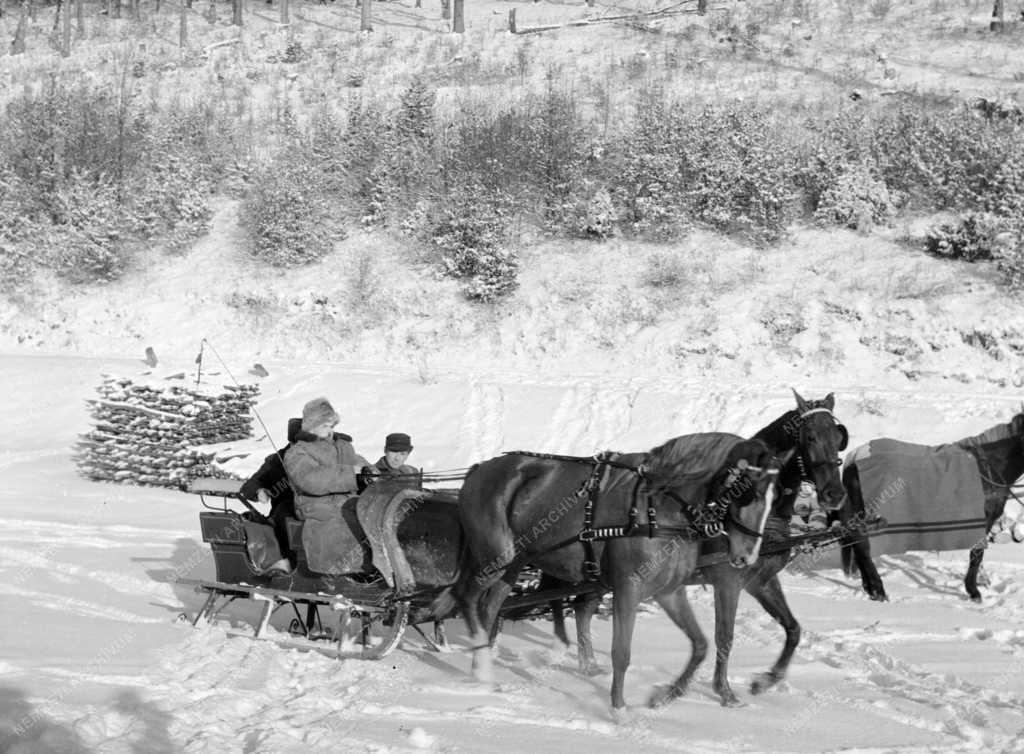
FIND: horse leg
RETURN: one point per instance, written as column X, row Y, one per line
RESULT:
column 856, row 541
column 770, row 596
column 557, row 607
column 623, row 621
column 971, row 579
column 585, row 607
column 677, row 607
column 872, row 582
column 727, row 594
column 993, row 512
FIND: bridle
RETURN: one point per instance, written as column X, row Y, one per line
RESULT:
column 805, row 467
column 711, row 520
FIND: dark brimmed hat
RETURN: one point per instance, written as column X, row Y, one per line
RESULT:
column 397, row 442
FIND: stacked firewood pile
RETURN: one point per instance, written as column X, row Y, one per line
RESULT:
column 146, row 431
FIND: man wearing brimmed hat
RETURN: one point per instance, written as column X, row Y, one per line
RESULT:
column 322, row 467
column 397, row 447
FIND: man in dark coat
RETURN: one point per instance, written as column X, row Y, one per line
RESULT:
column 270, row 485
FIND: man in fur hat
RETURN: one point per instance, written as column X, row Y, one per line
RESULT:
column 322, row 467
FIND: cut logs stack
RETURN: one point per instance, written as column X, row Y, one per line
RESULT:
column 146, row 431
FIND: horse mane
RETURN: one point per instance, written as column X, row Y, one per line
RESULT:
column 694, row 458
column 780, row 434
column 997, row 434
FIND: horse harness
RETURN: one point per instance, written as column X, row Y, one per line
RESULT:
column 703, row 524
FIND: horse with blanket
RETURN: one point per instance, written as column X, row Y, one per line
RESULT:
column 636, row 522
column 944, row 497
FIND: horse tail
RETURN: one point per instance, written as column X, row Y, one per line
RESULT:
column 444, row 604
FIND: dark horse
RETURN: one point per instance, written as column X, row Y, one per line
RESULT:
column 580, row 518
column 1000, row 464
column 812, row 431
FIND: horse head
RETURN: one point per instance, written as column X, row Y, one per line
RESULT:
column 745, row 490
column 725, row 485
column 819, row 438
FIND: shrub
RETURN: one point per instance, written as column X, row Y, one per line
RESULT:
column 18, row 257
column 288, row 216
column 1010, row 262
column 977, row 236
column 88, row 234
column 79, row 131
column 470, row 237
column 175, row 200
column 665, row 271
column 730, row 168
column 856, row 200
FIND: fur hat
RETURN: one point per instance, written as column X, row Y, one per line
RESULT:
column 318, row 411
column 397, row 441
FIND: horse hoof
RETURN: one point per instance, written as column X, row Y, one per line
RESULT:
column 732, row 701
column 592, row 669
column 662, row 695
column 975, row 598
column 621, row 716
column 879, row 596
column 762, row 682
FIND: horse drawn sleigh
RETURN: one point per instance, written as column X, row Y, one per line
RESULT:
column 699, row 509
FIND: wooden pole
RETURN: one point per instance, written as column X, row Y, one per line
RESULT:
column 18, row 43
column 80, row 18
column 284, row 11
column 458, row 21
column 183, row 25
column 365, row 19
column 64, row 8
column 998, row 22
column 512, row 20
column 446, row 9
column 236, row 12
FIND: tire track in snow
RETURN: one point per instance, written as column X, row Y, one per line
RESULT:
column 568, row 430
column 612, row 416
column 966, row 707
column 24, row 560
column 481, row 431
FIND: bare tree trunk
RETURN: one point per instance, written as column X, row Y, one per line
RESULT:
column 365, row 21
column 117, row 8
column 998, row 22
column 64, row 8
column 18, row 43
column 236, row 12
column 702, row 6
column 446, row 9
column 80, row 18
column 458, row 22
column 284, row 11
column 183, row 26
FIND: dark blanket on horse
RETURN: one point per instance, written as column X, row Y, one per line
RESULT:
column 931, row 496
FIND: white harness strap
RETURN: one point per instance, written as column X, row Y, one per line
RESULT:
column 819, row 411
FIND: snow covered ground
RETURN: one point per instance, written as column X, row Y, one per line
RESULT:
column 93, row 659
